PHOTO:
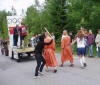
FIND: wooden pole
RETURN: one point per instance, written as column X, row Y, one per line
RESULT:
column 48, row 32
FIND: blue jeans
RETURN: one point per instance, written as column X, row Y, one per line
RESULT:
column 86, row 50
column 91, row 50
column 98, row 53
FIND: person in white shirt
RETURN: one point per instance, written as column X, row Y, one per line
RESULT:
column 97, row 41
column 53, row 36
column 80, row 48
column 32, row 40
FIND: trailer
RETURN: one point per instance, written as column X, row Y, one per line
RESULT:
column 16, row 52
column 19, row 53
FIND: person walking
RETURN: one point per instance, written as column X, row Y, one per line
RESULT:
column 97, row 41
column 38, row 55
column 49, row 53
column 66, row 49
column 90, row 42
column 81, row 48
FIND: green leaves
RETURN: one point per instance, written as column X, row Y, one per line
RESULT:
column 57, row 15
column 5, row 28
column 3, row 24
column 32, row 20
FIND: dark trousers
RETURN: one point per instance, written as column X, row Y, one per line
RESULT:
column 15, row 40
column 40, row 63
column 21, row 39
column 5, row 51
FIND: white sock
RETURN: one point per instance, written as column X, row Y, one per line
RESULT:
column 83, row 59
column 81, row 62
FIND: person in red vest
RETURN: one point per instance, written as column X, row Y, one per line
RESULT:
column 23, row 33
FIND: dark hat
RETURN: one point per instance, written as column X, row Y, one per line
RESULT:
column 41, row 38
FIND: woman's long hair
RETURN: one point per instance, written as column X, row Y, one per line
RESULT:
column 79, row 35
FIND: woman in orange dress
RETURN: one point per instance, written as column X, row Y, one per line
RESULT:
column 49, row 53
column 66, row 49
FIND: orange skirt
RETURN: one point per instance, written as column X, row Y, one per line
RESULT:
column 66, row 54
column 49, row 55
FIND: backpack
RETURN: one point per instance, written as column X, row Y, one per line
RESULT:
column 24, row 30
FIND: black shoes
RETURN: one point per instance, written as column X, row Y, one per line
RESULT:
column 85, row 64
column 71, row 65
column 55, row 71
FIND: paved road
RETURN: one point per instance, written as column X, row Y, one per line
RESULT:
column 13, row 73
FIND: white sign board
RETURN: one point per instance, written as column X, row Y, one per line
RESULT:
column 12, row 21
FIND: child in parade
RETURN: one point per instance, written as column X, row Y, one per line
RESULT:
column 80, row 48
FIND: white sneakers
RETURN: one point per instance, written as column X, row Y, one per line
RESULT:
column 39, row 74
column 36, row 77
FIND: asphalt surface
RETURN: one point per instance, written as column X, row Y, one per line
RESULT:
column 13, row 73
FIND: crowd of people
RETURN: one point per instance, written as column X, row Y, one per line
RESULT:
column 45, row 49
column 90, row 40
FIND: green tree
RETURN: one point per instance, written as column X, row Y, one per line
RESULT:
column 95, row 17
column 3, row 24
column 5, row 28
column 57, row 18
column 57, row 15
column 32, row 20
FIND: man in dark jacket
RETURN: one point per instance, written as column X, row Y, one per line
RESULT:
column 38, row 55
column 15, row 35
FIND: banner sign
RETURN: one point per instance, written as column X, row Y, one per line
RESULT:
column 12, row 21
